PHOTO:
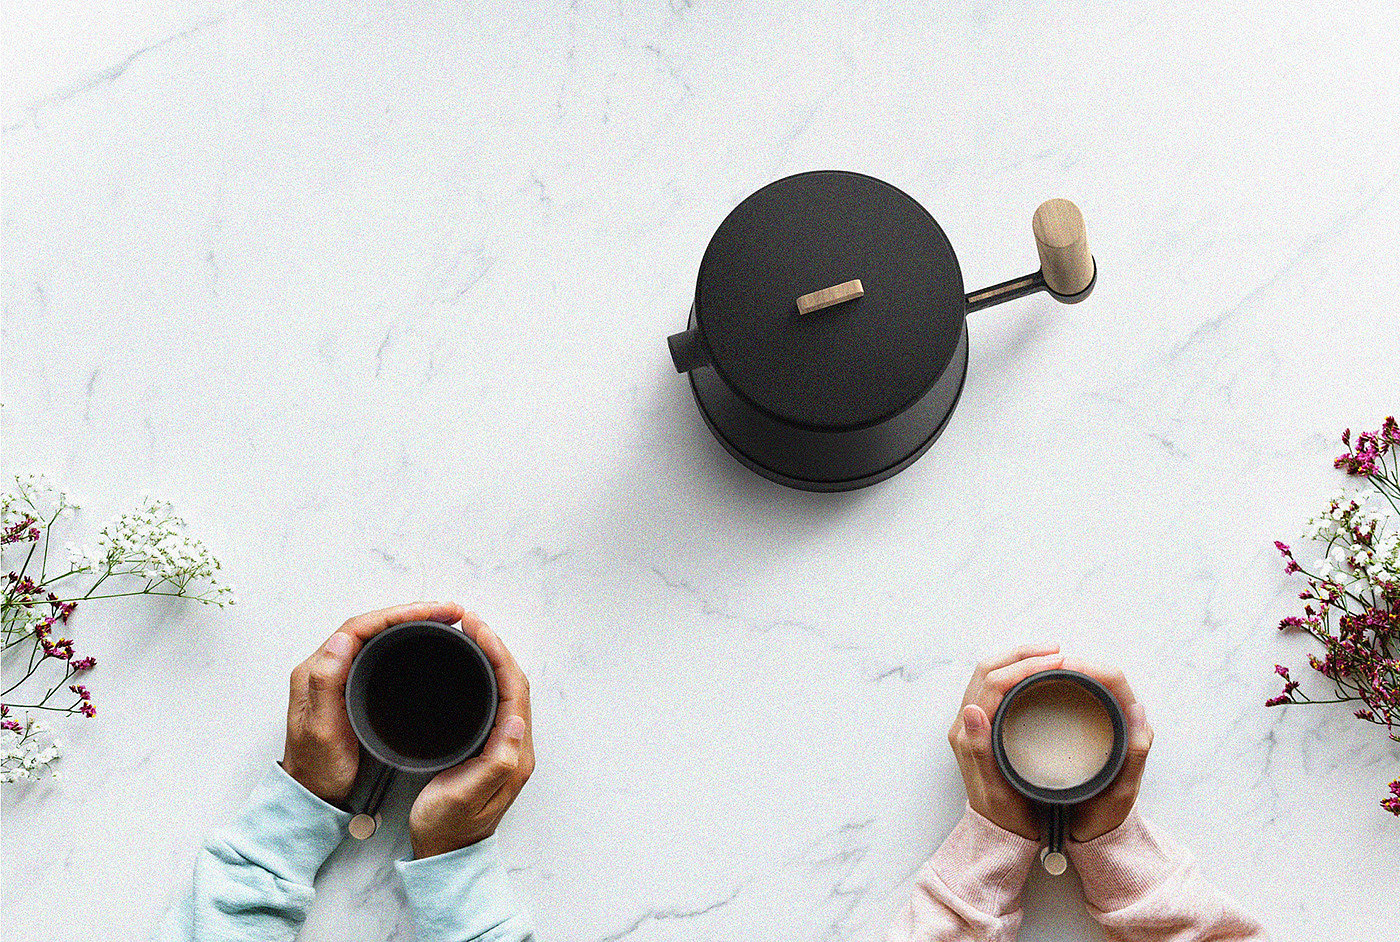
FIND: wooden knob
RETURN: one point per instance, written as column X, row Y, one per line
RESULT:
column 826, row 297
column 1063, row 245
column 363, row 826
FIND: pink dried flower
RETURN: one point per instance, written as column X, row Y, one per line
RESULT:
column 1365, row 458
column 1392, row 804
column 1353, row 609
column 21, row 530
column 85, row 705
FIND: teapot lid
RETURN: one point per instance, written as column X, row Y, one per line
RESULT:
column 854, row 363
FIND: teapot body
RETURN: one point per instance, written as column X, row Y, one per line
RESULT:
column 827, row 341
column 826, row 459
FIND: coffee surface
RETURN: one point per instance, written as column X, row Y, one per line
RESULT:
column 1057, row 734
column 427, row 697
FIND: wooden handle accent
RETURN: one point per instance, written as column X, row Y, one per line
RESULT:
column 826, row 297
column 363, row 826
column 1063, row 244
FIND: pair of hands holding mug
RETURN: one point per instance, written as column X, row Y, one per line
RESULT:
column 459, row 806
column 988, row 792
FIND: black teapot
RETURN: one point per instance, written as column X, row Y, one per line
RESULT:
column 827, row 343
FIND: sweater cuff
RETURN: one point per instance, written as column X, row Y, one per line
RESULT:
column 463, row 894
column 286, row 829
column 1118, row 868
column 983, row 864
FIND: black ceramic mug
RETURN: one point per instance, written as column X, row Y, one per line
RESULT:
column 1054, row 804
column 422, row 697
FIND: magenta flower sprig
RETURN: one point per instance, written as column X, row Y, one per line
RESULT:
column 146, row 552
column 1375, row 456
column 1352, row 598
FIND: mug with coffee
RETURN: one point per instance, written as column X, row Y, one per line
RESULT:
column 421, row 697
column 1059, row 738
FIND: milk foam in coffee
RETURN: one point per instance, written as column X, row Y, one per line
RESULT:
column 1057, row 734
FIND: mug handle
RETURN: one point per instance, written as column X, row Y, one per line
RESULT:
column 372, row 781
column 1052, row 855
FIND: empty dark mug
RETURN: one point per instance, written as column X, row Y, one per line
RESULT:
column 421, row 697
column 1055, row 801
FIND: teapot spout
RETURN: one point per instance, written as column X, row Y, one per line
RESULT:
column 688, row 350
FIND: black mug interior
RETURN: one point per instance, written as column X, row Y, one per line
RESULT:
column 421, row 697
column 1087, row 789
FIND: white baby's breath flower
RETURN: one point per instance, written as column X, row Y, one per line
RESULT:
column 29, row 753
column 1350, row 559
column 151, row 543
column 36, row 494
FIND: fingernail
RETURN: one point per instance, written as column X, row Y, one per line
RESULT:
column 338, row 644
column 514, row 729
column 972, row 719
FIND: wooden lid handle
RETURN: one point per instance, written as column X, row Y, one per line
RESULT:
column 826, row 297
column 1063, row 244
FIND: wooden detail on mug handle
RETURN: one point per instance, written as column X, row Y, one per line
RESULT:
column 826, row 297
column 363, row 826
column 1063, row 244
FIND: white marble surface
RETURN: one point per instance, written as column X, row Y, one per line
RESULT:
column 377, row 296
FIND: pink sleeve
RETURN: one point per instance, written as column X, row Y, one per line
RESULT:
column 1143, row 887
column 971, row 888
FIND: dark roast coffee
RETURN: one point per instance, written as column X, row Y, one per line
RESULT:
column 421, row 697
column 427, row 695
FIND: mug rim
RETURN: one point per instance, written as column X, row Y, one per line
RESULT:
column 358, row 712
column 1084, row 790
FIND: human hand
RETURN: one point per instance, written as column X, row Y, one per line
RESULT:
column 1110, row 807
column 988, row 792
column 465, row 803
column 322, row 752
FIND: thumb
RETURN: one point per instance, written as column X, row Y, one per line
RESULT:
column 483, row 775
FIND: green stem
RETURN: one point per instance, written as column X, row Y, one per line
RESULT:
column 118, row 595
column 25, row 568
column 54, row 689
column 48, row 530
column 59, row 578
column 92, row 588
column 32, row 668
column 40, row 706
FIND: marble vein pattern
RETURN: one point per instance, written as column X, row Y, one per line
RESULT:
column 377, row 294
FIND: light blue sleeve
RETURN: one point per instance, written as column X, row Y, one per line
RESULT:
column 252, row 879
column 464, row 896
